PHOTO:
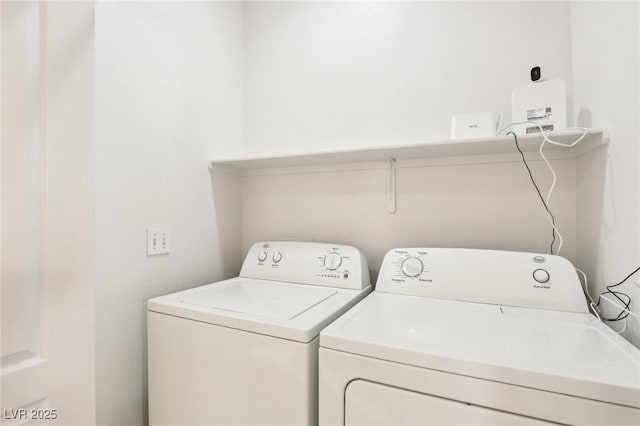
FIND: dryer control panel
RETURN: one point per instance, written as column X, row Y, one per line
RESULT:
column 332, row 265
column 529, row 280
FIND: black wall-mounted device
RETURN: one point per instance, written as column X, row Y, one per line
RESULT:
column 536, row 73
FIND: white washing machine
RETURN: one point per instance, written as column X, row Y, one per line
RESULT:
column 453, row 336
column 245, row 350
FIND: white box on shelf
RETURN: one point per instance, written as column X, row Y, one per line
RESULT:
column 472, row 126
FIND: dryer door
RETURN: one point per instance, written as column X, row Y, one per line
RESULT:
column 369, row 403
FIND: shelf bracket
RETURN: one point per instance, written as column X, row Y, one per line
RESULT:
column 391, row 186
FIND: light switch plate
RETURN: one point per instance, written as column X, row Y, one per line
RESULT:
column 157, row 241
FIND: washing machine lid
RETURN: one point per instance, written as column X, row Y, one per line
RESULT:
column 279, row 309
column 569, row 353
column 268, row 299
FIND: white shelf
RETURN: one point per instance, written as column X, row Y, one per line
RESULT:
column 438, row 149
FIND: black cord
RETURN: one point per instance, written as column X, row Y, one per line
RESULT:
column 625, row 279
column 544, row 203
column 624, row 313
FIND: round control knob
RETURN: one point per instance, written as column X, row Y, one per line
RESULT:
column 277, row 257
column 262, row 256
column 332, row 261
column 412, row 267
column 541, row 275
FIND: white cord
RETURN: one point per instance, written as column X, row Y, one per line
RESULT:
column 553, row 173
column 593, row 306
column 585, row 288
column 553, row 184
column 622, row 308
column 624, row 327
column 595, row 310
column 545, row 133
column 585, row 285
column 546, row 139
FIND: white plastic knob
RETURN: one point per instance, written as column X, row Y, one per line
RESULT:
column 412, row 267
column 332, row 261
column 262, row 256
column 277, row 257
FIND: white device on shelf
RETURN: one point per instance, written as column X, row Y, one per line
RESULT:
column 473, row 126
column 244, row 350
column 459, row 336
column 541, row 102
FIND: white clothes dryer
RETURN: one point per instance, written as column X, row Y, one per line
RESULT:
column 458, row 336
column 244, row 351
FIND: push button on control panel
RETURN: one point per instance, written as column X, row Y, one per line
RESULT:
column 541, row 276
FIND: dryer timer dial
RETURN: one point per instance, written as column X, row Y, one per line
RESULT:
column 412, row 267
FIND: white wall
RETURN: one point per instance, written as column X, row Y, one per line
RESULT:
column 323, row 75
column 480, row 204
column 606, row 56
column 346, row 74
column 168, row 98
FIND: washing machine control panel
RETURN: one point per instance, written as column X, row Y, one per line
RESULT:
column 331, row 265
column 485, row 276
